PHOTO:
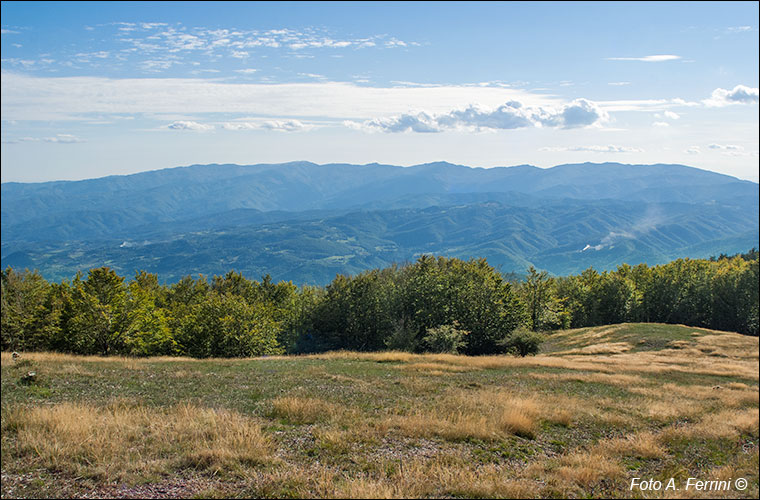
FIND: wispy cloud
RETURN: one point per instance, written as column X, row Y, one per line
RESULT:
column 741, row 94
column 151, row 40
column 618, row 84
column 738, row 29
column 34, row 98
column 58, row 139
column 611, row 148
column 653, row 58
column 725, row 147
column 157, row 47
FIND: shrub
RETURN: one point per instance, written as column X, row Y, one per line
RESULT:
column 445, row 338
column 523, row 341
column 403, row 337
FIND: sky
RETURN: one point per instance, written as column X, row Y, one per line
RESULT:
column 91, row 89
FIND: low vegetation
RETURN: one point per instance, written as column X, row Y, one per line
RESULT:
column 594, row 409
column 436, row 304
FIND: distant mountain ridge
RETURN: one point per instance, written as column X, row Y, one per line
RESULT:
column 324, row 219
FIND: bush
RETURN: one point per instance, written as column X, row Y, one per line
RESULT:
column 445, row 338
column 403, row 337
column 522, row 341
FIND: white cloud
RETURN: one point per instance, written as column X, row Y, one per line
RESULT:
column 661, row 124
column 58, row 138
column 611, row 148
column 63, row 139
column 694, row 150
column 654, row 58
column 671, row 115
column 189, row 125
column 279, row 125
column 740, row 94
column 156, row 65
column 738, row 29
column 618, row 84
column 418, row 122
column 239, row 54
column 511, row 115
column 4, row 31
column 246, row 71
column 284, row 125
column 579, row 113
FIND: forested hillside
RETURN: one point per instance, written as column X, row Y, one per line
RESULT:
column 305, row 223
column 435, row 304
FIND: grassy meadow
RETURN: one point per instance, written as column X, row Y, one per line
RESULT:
column 598, row 407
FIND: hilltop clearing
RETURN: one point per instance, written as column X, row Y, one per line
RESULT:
column 598, row 407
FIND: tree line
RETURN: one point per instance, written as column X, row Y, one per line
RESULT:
column 435, row 304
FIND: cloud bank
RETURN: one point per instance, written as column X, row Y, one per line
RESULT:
column 511, row 115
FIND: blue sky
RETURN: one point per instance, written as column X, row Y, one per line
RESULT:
column 92, row 89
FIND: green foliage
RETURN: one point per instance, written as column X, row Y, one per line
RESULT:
column 150, row 333
column 394, row 307
column 523, row 341
column 434, row 304
column 444, row 339
column 403, row 337
column 720, row 294
column 101, row 314
column 225, row 325
column 26, row 313
column 539, row 293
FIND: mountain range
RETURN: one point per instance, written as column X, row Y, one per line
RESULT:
column 306, row 222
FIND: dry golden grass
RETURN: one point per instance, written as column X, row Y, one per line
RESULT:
column 379, row 357
column 444, row 476
column 586, row 468
column 122, row 441
column 603, row 348
column 723, row 424
column 737, row 355
column 436, row 368
column 300, row 410
column 640, row 445
column 452, row 427
column 621, row 380
column 519, row 417
column 462, row 415
column 57, row 357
